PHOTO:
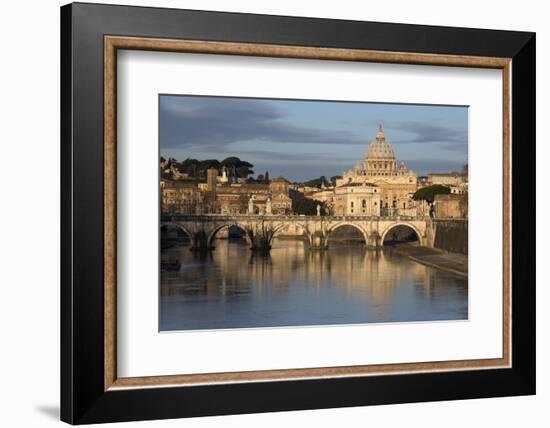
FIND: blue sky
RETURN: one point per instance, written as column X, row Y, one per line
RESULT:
column 301, row 140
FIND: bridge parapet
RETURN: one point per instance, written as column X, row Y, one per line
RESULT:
column 290, row 218
column 261, row 229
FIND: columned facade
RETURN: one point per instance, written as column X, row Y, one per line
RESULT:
column 395, row 182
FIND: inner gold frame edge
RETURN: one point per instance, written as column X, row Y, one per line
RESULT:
column 113, row 43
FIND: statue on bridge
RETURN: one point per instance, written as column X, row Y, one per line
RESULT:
column 251, row 205
column 268, row 207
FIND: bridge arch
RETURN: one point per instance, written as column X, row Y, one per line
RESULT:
column 215, row 230
column 409, row 226
column 353, row 225
column 283, row 226
column 180, row 227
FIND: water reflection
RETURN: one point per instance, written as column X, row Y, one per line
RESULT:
column 233, row 287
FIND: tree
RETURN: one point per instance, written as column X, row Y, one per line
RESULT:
column 237, row 167
column 244, row 170
column 231, row 164
column 260, row 177
column 197, row 168
column 428, row 193
column 172, row 161
column 317, row 182
column 307, row 206
column 189, row 166
column 230, row 161
column 209, row 163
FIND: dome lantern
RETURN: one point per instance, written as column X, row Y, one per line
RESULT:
column 380, row 148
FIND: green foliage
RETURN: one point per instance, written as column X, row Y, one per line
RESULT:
column 209, row 163
column 189, row 166
column 237, row 167
column 316, row 182
column 197, row 168
column 307, row 206
column 244, row 171
column 230, row 161
column 428, row 193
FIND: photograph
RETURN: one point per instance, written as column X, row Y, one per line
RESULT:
column 291, row 212
column 265, row 211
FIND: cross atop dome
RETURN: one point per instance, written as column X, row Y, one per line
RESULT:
column 380, row 134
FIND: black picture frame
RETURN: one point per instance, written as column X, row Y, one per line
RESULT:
column 83, row 399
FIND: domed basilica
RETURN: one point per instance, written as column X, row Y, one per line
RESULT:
column 391, row 185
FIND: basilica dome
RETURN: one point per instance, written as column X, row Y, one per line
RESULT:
column 380, row 148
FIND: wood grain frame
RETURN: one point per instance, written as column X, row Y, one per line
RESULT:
column 114, row 43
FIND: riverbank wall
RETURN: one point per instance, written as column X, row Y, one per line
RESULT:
column 438, row 259
column 450, row 235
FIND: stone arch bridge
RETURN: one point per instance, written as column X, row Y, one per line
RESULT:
column 260, row 230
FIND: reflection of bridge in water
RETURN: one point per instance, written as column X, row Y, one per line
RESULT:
column 260, row 230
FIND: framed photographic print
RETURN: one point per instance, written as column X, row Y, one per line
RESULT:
column 264, row 213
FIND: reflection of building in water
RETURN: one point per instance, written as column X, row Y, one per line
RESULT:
column 367, row 271
column 292, row 286
column 352, row 269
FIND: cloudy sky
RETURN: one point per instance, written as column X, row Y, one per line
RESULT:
column 301, row 140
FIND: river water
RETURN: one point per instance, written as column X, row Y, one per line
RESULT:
column 232, row 287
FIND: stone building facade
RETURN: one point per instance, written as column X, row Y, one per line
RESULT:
column 378, row 186
column 279, row 189
column 451, row 206
column 446, row 179
column 180, row 197
column 217, row 197
column 396, row 183
column 357, row 199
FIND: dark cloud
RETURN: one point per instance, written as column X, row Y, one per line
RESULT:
column 273, row 157
column 425, row 132
column 424, row 167
column 208, row 125
column 214, row 123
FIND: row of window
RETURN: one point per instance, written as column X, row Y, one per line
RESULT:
column 379, row 165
